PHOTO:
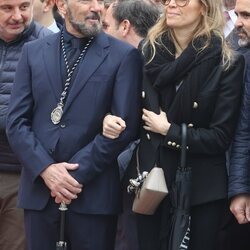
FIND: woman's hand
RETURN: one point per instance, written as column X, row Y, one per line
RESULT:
column 155, row 123
column 113, row 126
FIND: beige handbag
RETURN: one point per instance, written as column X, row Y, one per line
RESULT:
column 150, row 191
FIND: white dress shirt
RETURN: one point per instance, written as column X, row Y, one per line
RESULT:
column 230, row 23
column 53, row 27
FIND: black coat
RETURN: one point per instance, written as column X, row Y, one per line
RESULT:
column 210, row 131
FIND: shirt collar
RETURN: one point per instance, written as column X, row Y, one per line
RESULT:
column 68, row 37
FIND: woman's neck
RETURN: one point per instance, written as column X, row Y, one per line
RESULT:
column 182, row 41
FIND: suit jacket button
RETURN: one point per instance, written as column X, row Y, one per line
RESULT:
column 62, row 125
column 173, row 144
column 190, row 125
column 143, row 95
column 148, row 136
column 195, row 105
column 169, row 143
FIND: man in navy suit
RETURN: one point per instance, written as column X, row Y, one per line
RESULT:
column 233, row 234
column 239, row 182
column 239, row 171
column 54, row 126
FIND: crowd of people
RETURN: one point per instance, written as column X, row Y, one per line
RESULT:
column 85, row 84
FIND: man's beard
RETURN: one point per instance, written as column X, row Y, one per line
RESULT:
column 243, row 41
column 82, row 28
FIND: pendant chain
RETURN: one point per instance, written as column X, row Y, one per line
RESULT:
column 70, row 71
column 57, row 112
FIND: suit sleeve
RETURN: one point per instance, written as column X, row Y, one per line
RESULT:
column 102, row 152
column 239, row 170
column 217, row 137
column 23, row 141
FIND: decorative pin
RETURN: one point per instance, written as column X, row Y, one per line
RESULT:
column 56, row 114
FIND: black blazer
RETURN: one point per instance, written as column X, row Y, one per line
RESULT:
column 214, row 116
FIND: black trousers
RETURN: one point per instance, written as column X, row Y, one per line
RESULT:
column 82, row 231
column 232, row 235
column 153, row 231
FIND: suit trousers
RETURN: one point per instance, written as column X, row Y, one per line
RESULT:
column 126, row 235
column 153, row 230
column 232, row 235
column 11, row 218
column 82, row 231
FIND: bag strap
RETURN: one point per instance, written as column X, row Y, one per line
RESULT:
column 137, row 162
column 183, row 146
column 135, row 184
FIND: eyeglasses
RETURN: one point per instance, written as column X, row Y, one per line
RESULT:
column 180, row 3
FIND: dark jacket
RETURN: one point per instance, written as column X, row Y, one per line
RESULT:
column 9, row 56
column 108, row 76
column 210, row 131
column 239, row 171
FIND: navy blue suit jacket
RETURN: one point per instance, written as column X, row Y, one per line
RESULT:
column 108, row 80
column 239, row 170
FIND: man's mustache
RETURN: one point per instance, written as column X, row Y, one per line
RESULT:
column 13, row 22
column 94, row 15
column 241, row 30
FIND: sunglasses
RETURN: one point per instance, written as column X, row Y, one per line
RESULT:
column 180, row 3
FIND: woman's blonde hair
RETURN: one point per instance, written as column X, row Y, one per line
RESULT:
column 212, row 22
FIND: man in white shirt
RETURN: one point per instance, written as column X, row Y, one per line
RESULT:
column 230, row 16
column 129, row 21
column 43, row 14
column 230, row 21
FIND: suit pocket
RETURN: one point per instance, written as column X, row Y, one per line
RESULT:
column 99, row 79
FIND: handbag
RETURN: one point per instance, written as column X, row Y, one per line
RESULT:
column 149, row 188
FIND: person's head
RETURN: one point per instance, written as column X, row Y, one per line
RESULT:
column 242, row 10
column 107, row 3
column 191, row 19
column 124, row 18
column 15, row 16
column 43, row 10
column 82, row 17
column 229, row 4
column 158, row 4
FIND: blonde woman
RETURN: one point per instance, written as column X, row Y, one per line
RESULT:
column 192, row 77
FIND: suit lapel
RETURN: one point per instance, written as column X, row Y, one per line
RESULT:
column 52, row 61
column 94, row 56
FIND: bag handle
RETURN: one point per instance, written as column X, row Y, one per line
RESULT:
column 183, row 145
column 137, row 162
column 135, row 184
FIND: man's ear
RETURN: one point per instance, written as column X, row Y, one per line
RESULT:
column 48, row 5
column 125, row 27
column 61, row 6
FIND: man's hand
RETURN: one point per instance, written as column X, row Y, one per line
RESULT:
column 113, row 126
column 240, row 207
column 64, row 188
